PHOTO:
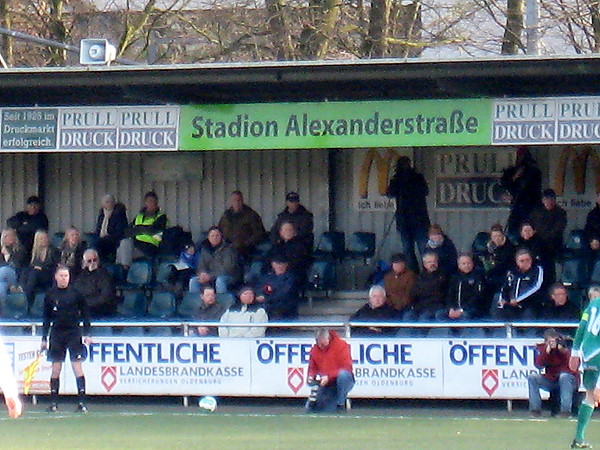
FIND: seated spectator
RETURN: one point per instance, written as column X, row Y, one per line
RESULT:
column 278, row 290
column 519, row 298
column 398, row 282
column 210, row 311
column 376, row 310
column 110, row 227
column 245, row 310
column 294, row 249
column 185, row 267
column 465, row 299
column 96, row 285
column 428, row 293
column 559, row 306
column 444, row 248
column 242, row 226
column 296, row 214
column 12, row 260
column 553, row 360
column 591, row 254
column 27, row 222
column 550, row 222
column 71, row 251
column 529, row 239
column 40, row 271
column 145, row 233
column 217, row 264
column 499, row 257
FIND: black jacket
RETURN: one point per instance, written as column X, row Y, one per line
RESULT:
column 64, row 309
column 26, row 225
column 302, row 219
column 410, row 190
column 429, row 291
column 117, row 223
column 467, row 291
column 281, row 294
column 525, row 287
column 98, row 290
column 385, row 313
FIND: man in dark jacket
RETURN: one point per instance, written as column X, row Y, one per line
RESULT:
column 465, row 298
column 110, row 227
column 96, row 285
column 299, row 216
column 376, row 310
column 217, row 265
column 242, row 226
column 520, row 297
column 559, row 307
column 428, row 292
column 523, row 181
column 210, row 311
column 410, row 190
column 550, row 221
column 279, row 291
column 29, row 221
column 553, row 359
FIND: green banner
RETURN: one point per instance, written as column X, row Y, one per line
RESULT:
column 362, row 124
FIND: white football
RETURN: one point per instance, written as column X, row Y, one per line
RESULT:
column 208, row 403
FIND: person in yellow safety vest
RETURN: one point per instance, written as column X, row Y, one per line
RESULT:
column 148, row 226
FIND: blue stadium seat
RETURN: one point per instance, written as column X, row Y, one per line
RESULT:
column 253, row 273
column 159, row 331
column 360, row 244
column 479, row 245
column 15, row 306
column 189, row 305
column 262, row 250
column 37, row 309
column 162, row 305
column 572, row 274
column 134, row 305
column 331, row 245
column 575, row 240
column 139, row 274
column 595, row 273
column 164, row 273
column 321, row 276
column 91, row 239
column 57, row 239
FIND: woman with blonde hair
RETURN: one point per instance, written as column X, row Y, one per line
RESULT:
column 71, row 250
column 12, row 259
column 40, row 272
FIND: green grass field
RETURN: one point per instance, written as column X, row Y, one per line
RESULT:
column 113, row 427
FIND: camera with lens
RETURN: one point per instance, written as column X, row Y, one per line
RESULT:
column 314, row 387
column 564, row 341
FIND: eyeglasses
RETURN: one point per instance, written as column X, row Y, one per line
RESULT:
column 91, row 260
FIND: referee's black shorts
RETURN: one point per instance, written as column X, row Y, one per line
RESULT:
column 63, row 340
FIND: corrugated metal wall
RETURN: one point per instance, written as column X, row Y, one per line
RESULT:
column 18, row 180
column 76, row 183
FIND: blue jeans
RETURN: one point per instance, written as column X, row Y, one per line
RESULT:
column 334, row 395
column 222, row 284
column 566, row 385
column 8, row 278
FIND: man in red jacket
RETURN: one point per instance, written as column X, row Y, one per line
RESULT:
column 330, row 366
column 553, row 358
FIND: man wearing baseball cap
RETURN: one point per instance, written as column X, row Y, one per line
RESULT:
column 299, row 216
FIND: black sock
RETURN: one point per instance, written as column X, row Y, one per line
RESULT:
column 81, row 388
column 54, row 385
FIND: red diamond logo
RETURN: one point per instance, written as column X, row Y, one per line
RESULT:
column 295, row 378
column 108, row 377
column 489, row 381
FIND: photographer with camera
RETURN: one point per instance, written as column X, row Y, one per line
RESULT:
column 553, row 361
column 329, row 367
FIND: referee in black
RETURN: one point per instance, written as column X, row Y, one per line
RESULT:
column 64, row 309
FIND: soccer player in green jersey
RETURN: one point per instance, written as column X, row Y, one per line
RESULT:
column 586, row 350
